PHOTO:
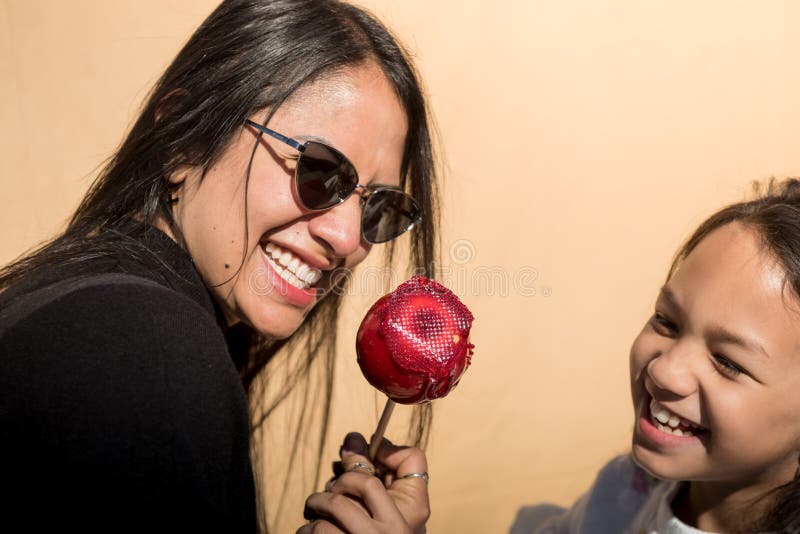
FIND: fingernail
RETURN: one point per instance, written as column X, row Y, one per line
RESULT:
column 338, row 468
column 354, row 443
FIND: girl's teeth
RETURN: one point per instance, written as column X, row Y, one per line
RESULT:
column 285, row 258
column 662, row 416
column 668, row 422
column 673, row 421
column 675, row 431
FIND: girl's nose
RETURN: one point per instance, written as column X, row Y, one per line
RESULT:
column 674, row 370
column 339, row 227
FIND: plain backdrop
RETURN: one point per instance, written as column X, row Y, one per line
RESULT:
column 582, row 140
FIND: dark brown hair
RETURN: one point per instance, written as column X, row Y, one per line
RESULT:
column 249, row 55
column 775, row 216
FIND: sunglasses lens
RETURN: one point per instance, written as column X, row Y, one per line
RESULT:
column 387, row 214
column 324, row 177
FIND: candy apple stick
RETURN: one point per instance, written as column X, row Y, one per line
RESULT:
column 382, row 424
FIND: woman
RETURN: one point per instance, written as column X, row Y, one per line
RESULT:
column 285, row 139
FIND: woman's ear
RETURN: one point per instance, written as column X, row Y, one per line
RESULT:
column 177, row 177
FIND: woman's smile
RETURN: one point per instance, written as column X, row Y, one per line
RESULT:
column 291, row 277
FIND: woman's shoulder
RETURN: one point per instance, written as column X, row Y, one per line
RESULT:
column 112, row 327
column 105, row 305
column 115, row 381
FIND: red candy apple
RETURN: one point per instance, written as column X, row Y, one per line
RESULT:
column 413, row 344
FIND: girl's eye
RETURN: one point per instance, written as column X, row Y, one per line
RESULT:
column 726, row 367
column 662, row 325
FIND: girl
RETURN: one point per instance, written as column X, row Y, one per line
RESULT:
column 715, row 379
column 285, row 139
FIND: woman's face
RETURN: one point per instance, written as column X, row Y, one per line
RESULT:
column 241, row 234
column 719, row 362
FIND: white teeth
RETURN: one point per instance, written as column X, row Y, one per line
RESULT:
column 291, row 268
column 302, row 271
column 673, row 421
column 668, row 422
column 313, row 277
column 673, row 431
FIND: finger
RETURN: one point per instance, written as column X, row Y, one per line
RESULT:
column 354, row 454
column 338, row 468
column 319, row 526
column 352, row 461
column 371, row 492
column 354, row 443
column 402, row 460
column 339, row 509
column 409, row 492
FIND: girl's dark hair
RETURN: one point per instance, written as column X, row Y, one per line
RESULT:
column 775, row 216
column 249, row 55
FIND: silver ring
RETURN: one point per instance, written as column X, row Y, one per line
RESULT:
column 362, row 467
column 424, row 476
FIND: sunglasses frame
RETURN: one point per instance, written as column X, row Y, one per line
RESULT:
column 365, row 194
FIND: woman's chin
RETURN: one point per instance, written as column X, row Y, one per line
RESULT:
column 277, row 327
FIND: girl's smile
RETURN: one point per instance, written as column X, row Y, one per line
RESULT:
column 715, row 373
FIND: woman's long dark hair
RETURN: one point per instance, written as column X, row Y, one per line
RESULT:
column 248, row 56
column 775, row 216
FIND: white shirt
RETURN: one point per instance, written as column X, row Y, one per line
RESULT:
column 623, row 500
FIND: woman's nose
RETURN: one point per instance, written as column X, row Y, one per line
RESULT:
column 674, row 370
column 339, row 227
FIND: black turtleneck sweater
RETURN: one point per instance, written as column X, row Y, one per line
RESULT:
column 120, row 406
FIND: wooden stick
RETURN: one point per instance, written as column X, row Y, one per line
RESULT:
column 377, row 437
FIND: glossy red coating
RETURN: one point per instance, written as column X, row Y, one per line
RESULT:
column 413, row 343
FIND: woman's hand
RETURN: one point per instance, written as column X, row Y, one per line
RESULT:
column 358, row 501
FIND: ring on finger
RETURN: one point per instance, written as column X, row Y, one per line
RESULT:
column 361, row 467
column 424, row 476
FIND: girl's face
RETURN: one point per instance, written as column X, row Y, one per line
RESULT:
column 228, row 224
column 720, row 358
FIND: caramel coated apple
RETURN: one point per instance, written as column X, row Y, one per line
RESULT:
column 413, row 344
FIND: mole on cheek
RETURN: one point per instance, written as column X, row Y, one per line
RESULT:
column 227, row 266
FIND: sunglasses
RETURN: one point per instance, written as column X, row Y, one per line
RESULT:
column 324, row 178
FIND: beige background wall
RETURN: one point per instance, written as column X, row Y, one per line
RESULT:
column 584, row 140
